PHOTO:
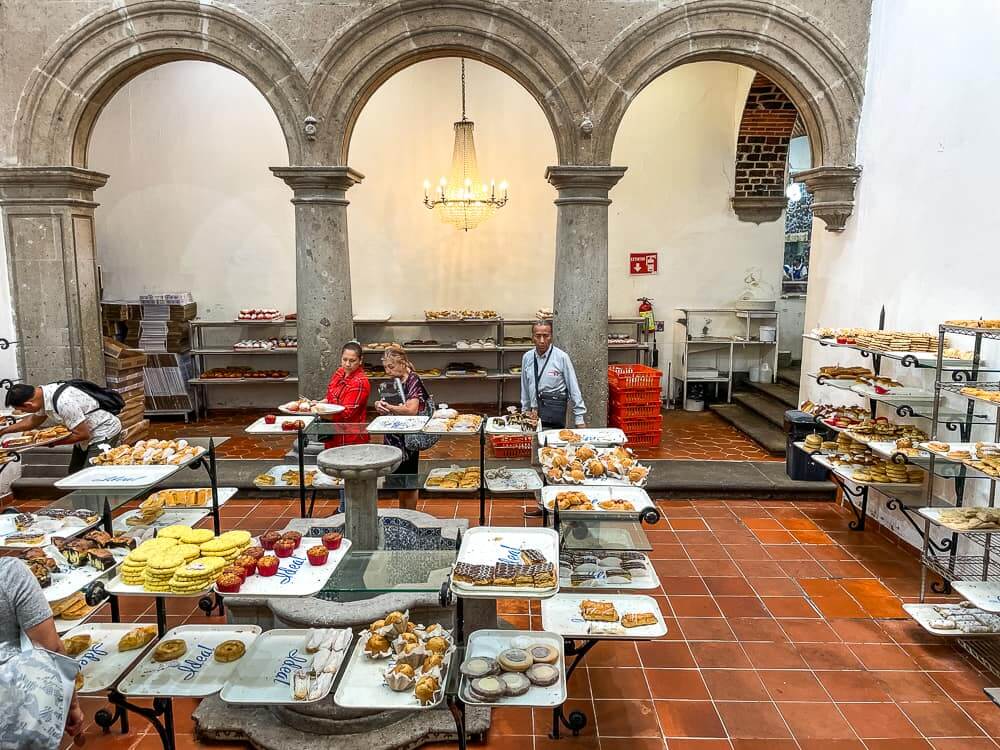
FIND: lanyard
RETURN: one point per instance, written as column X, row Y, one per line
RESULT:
column 538, row 375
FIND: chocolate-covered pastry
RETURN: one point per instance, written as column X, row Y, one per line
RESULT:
column 101, row 559
column 76, row 552
column 98, row 537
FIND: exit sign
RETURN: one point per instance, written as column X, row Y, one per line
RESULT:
column 640, row 264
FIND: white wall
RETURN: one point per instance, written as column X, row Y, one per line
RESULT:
column 923, row 234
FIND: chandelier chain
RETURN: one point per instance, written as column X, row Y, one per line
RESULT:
column 463, row 90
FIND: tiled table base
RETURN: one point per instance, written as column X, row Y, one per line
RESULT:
column 785, row 633
column 686, row 435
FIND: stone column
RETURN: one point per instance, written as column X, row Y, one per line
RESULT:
column 322, row 269
column 48, row 232
column 581, row 279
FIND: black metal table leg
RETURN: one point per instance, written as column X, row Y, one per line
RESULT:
column 457, row 708
column 576, row 720
column 482, row 472
column 860, row 491
column 301, row 444
column 161, row 616
column 312, row 503
column 161, row 707
column 213, row 477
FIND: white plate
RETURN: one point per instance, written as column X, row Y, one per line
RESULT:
column 225, row 495
column 984, row 594
column 486, row 545
column 934, row 514
column 597, row 436
column 636, row 495
column 103, row 664
column 320, row 408
column 67, row 580
column 296, row 576
column 925, row 614
column 182, row 516
column 8, row 528
column 363, row 684
column 561, row 614
column 195, row 674
column 444, row 472
column 389, row 424
column 320, row 481
column 494, row 427
column 489, row 643
column 264, row 674
column 600, row 584
column 521, row 480
column 260, row 427
column 117, row 477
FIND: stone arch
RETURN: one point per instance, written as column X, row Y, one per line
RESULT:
column 89, row 64
column 808, row 64
column 355, row 63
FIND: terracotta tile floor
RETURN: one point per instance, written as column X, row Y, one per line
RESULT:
column 772, row 643
column 686, row 435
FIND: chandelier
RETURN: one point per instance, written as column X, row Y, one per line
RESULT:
column 463, row 199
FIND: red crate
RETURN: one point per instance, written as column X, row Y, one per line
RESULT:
column 645, row 439
column 636, row 410
column 630, row 377
column 511, row 446
column 637, row 424
column 641, row 396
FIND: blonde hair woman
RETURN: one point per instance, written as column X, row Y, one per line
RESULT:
column 415, row 398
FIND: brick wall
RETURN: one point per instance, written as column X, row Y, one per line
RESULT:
column 762, row 145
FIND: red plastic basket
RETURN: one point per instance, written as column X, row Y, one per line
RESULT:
column 630, row 377
column 638, row 424
column 640, row 396
column 637, row 410
column 649, row 439
column 511, row 446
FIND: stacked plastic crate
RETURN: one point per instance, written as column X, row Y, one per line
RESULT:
column 634, row 404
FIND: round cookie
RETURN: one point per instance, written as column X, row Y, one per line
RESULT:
column 542, row 653
column 488, row 688
column 543, row 675
column 515, row 660
column 479, row 666
column 515, row 683
column 228, row 651
column 169, row 650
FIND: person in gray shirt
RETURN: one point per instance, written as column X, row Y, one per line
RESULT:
column 23, row 608
column 548, row 381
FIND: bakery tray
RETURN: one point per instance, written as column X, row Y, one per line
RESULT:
column 561, row 614
column 983, row 594
column 264, row 674
column 325, row 409
column 636, row 495
column 194, row 675
column 970, row 447
column 652, row 581
column 934, row 515
column 444, row 472
column 494, row 427
column 188, row 460
column 925, row 614
column 362, row 684
column 596, row 436
column 67, row 580
column 296, row 577
column 529, row 477
column 64, row 626
column 7, row 528
column 260, row 427
column 36, row 444
column 103, row 664
column 321, row 480
column 393, row 425
column 489, row 643
column 182, row 516
column 117, row 477
column 225, row 495
column 486, row 545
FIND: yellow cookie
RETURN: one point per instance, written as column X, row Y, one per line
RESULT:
column 190, row 551
column 196, row 536
column 175, row 531
column 165, row 560
column 237, row 536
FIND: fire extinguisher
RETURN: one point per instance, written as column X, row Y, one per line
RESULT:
column 649, row 323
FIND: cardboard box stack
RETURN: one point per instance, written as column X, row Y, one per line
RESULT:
column 124, row 368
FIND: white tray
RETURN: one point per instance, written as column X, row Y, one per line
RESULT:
column 844, row 384
column 200, row 452
column 844, row 472
column 225, row 495
column 934, row 514
column 599, row 584
column 117, row 477
column 22, row 448
column 464, row 431
column 67, row 580
column 264, row 674
column 597, row 436
column 118, row 587
column 443, row 472
column 196, row 674
column 494, row 427
column 530, row 478
column 321, row 409
column 64, row 626
column 8, row 528
column 296, row 576
column 260, row 427
column 485, row 545
column 489, row 643
column 970, row 447
column 888, row 449
column 103, row 664
column 389, row 424
column 183, row 516
column 561, row 614
column 362, row 684
column 321, row 480
column 895, row 395
column 924, row 614
column 983, row 594
column 636, row 495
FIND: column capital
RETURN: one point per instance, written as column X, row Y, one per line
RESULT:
column 583, row 184
column 832, row 189
column 319, row 184
column 72, row 186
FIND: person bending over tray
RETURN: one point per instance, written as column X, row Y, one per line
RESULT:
column 548, row 382
column 37, row 688
column 349, row 387
column 412, row 400
column 73, row 404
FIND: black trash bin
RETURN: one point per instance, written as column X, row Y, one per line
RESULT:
column 798, row 464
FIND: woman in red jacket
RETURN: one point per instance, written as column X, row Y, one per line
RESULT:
column 350, row 388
